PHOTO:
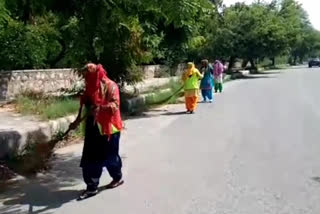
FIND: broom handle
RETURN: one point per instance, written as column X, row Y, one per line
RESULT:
column 175, row 93
column 70, row 129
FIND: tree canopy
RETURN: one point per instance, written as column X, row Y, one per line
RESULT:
column 123, row 34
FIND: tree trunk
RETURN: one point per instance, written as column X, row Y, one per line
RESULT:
column 253, row 66
column 244, row 63
column 295, row 58
column 231, row 63
column 301, row 60
column 27, row 12
column 273, row 61
column 253, row 63
column 61, row 54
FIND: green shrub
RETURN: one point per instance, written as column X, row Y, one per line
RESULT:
column 47, row 107
column 28, row 46
column 60, row 108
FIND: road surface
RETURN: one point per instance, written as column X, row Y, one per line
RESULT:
column 256, row 150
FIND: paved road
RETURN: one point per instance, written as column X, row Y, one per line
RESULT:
column 256, row 150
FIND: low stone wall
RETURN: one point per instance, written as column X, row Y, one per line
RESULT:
column 13, row 83
column 145, row 86
column 158, row 71
column 153, row 71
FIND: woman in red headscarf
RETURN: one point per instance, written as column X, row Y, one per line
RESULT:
column 101, row 100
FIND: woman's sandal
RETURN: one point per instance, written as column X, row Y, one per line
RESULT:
column 114, row 184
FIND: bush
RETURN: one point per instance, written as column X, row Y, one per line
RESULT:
column 61, row 108
column 28, row 46
column 47, row 107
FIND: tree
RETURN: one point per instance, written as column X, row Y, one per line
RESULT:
column 252, row 32
column 124, row 34
column 4, row 14
column 307, row 45
column 298, row 28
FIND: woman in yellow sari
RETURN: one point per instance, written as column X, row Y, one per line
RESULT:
column 191, row 79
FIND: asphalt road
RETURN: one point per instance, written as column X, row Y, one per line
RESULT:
column 255, row 150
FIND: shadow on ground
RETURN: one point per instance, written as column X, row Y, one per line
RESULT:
column 156, row 113
column 174, row 113
column 257, row 77
column 316, row 179
column 254, row 76
column 44, row 193
column 266, row 72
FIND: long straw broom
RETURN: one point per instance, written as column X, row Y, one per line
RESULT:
column 37, row 158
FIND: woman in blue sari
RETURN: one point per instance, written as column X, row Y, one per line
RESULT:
column 207, row 81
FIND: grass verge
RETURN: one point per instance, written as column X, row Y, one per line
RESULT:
column 47, row 108
column 166, row 96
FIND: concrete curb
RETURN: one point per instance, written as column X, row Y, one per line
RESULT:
column 13, row 142
column 134, row 104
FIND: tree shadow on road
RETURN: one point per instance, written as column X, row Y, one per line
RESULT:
column 151, row 113
column 240, row 76
column 316, row 179
column 266, row 73
column 46, row 192
column 37, row 195
column 255, row 77
column 172, row 113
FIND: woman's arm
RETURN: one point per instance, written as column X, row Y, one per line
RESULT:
column 113, row 100
column 199, row 75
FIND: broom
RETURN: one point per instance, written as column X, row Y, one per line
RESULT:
column 171, row 96
column 37, row 158
column 65, row 134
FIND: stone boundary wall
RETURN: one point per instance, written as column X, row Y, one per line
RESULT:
column 12, row 83
column 158, row 71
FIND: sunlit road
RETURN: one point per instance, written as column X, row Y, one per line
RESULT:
column 256, row 150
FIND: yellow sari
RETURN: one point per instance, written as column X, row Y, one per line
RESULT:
column 191, row 79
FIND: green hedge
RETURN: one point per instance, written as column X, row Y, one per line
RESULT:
column 27, row 46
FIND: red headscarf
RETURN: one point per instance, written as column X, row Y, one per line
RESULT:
column 93, row 94
column 93, row 80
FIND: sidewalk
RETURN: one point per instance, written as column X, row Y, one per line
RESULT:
column 63, row 182
column 17, row 130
